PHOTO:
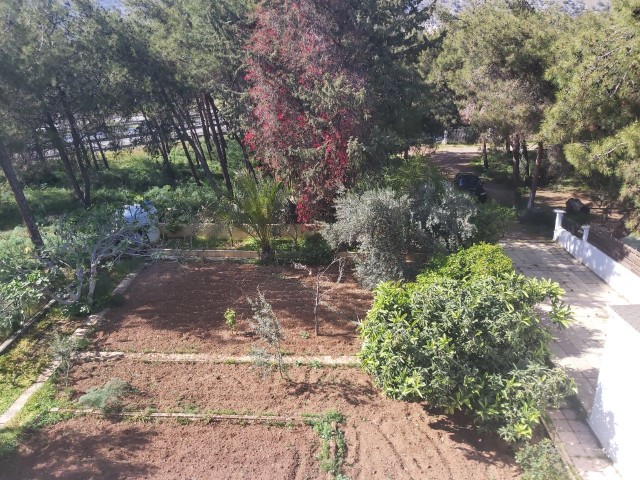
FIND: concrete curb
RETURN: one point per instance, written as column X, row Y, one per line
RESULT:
column 344, row 360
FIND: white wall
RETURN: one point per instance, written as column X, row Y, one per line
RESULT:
column 615, row 417
column 621, row 279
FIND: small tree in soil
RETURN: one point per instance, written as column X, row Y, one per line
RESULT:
column 267, row 327
column 63, row 348
column 230, row 319
column 321, row 276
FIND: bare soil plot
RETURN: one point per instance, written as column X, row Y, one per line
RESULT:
column 385, row 438
column 173, row 308
column 89, row 448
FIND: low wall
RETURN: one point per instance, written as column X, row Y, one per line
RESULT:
column 224, row 232
column 614, row 418
column 620, row 278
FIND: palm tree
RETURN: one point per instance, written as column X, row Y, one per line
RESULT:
column 258, row 206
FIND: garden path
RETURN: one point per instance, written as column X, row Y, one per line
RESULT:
column 578, row 348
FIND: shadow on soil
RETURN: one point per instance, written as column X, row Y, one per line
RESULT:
column 486, row 448
column 61, row 452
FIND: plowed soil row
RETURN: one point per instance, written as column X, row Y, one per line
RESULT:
column 385, row 438
column 173, row 308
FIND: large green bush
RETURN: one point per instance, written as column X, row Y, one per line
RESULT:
column 467, row 341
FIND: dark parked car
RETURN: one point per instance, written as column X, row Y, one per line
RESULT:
column 471, row 183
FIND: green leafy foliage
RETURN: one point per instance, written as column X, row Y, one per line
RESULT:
column 461, row 340
column 63, row 348
column 541, row 461
column 492, row 220
column 327, row 429
column 477, row 261
column 379, row 222
column 230, row 319
column 183, row 205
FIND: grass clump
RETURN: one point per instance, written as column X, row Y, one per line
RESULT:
column 107, row 398
column 334, row 446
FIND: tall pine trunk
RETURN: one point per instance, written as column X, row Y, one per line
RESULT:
column 485, row 159
column 245, row 156
column 23, row 206
column 536, row 176
column 516, row 155
column 81, row 154
column 60, row 145
column 102, row 155
column 218, row 139
column 525, row 155
column 179, row 125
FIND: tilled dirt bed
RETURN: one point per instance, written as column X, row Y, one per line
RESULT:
column 180, row 308
column 385, row 438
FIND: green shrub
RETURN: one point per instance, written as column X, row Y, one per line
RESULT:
column 475, row 345
column 477, row 261
column 314, row 250
column 230, row 319
column 492, row 220
column 541, row 461
column 184, row 204
column 379, row 223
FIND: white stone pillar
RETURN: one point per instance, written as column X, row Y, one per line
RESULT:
column 585, row 233
column 558, row 228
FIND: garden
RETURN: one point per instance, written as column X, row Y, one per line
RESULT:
column 227, row 251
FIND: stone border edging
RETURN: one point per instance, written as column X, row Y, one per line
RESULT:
column 300, row 419
column 343, row 360
column 211, row 254
column 8, row 343
column 80, row 332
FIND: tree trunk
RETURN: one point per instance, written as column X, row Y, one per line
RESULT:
column 40, row 152
column 93, row 154
column 245, row 156
column 192, row 167
column 81, row 153
column 507, row 144
column 536, row 176
column 218, row 139
column 485, row 159
column 104, row 157
column 206, row 126
column 178, row 124
column 23, row 206
column 59, row 145
column 525, row 155
column 516, row 165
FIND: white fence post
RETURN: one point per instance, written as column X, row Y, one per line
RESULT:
column 556, row 231
column 585, row 233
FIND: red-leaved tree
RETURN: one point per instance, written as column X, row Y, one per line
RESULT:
column 307, row 102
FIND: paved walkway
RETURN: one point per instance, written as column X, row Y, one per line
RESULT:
column 578, row 348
